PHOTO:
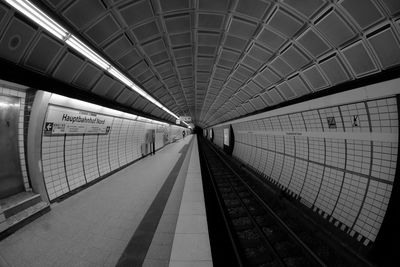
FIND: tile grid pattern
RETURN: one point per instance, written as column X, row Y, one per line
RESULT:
column 72, row 161
column 92, row 228
column 21, row 95
column 213, row 60
column 346, row 181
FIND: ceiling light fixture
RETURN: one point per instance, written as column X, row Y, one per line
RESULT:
column 114, row 72
column 39, row 17
column 84, row 50
column 35, row 14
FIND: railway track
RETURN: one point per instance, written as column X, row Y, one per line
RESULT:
column 260, row 236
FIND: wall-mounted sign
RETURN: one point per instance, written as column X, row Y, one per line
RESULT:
column 185, row 118
column 61, row 120
column 356, row 121
column 331, row 122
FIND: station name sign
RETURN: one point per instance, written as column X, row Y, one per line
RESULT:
column 62, row 120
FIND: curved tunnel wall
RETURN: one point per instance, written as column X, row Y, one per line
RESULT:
column 339, row 165
column 72, row 161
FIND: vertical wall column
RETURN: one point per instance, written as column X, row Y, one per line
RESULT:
column 35, row 129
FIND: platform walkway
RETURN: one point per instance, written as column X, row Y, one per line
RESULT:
column 191, row 245
column 133, row 214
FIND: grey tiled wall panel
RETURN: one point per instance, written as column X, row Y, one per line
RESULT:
column 347, row 179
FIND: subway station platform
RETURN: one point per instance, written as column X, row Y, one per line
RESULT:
column 150, row 213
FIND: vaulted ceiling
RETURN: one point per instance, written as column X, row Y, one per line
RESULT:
column 213, row 60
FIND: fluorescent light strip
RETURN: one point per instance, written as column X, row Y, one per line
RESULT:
column 114, row 72
column 39, row 17
column 35, row 14
column 80, row 47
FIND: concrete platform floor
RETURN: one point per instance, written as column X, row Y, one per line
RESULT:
column 94, row 226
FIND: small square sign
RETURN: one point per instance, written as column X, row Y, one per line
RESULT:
column 48, row 128
column 356, row 121
column 331, row 122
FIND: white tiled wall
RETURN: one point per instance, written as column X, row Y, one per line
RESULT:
column 140, row 137
column 123, row 135
column 53, row 166
column 90, row 157
column 103, row 154
column 130, row 150
column 343, row 174
column 74, row 160
column 73, row 150
column 113, row 143
column 21, row 95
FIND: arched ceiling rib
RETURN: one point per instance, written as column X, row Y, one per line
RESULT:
column 213, row 60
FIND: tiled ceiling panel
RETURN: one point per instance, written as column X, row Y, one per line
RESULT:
column 285, row 23
column 335, row 29
column 295, row 58
column 267, row 99
column 146, row 31
column 129, row 59
column 259, row 53
column 15, row 39
column 367, row 15
column 305, row 7
column 43, row 53
column 3, row 12
column 103, row 85
column 281, row 67
column 258, row 103
column 313, row 43
column 275, row 96
column 136, row 12
column 298, row 86
column 82, row 12
column 262, row 81
column 270, row 75
column 210, row 21
column 105, row 28
column 173, row 5
column 241, row 28
column 334, row 70
column 67, row 67
column 118, row 47
column 386, row 47
column 114, row 91
column 212, row 5
column 210, row 59
column 124, row 96
column 178, row 24
column 359, row 59
column 315, row 78
column 252, row 8
column 87, row 77
column 272, row 39
column 286, row 91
